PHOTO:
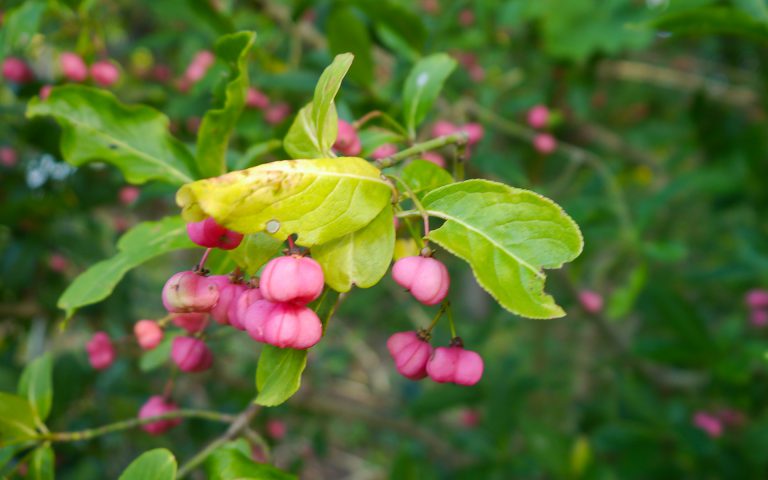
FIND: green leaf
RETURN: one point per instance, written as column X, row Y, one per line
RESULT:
column 41, row 465
column 314, row 129
column 134, row 138
column 154, row 358
column 17, row 421
column 206, row 12
column 398, row 20
column 228, row 462
column 320, row 200
column 508, row 236
column 757, row 8
column 360, row 258
column 218, row 125
column 422, row 87
column 714, row 20
column 157, row 464
column 278, row 375
column 422, row 176
column 347, row 33
column 20, row 24
column 254, row 251
column 36, row 385
column 140, row 244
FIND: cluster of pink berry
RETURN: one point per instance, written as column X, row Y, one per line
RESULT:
column 474, row 132
column 428, row 281
column 715, row 423
column 539, row 117
column 757, row 302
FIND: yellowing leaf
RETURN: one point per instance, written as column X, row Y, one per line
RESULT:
column 319, row 200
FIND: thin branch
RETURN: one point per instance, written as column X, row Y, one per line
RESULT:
column 459, row 138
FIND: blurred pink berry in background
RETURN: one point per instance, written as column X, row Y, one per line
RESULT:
column 16, row 70
column 430, row 6
column 276, row 429
column 435, row 158
column 384, row 151
column 277, row 113
column 45, row 92
column 153, row 407
column 193, row 124
column 544, row 143
column 128, row 194
column 8, row 156
column 199, row 66
column 474, row 131
column 105, row 73
column 758, row 318
column 347, row 141
column 73, row 67
column 731, row 417
column 476, row 73
column 191, row 354
column 148, row 334
column 591, row 301
column 466, row 17
column 708, row 423
column 442, row 128
column 161, row 73
column 256, row 99
column 756, row 298
column 58, row 263
column 470, row 418
column 192, row 322
column 101, row 352
column 538, row 116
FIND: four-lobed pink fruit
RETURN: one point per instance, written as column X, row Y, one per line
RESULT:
column 192, row 322
column 347, row 140
column 191, row 354
column 157, row 405
column 292, row 278
column 284, row 325
column 410, row 351
column 384, row 151
column 228, row 295
column 454, row 364
column 73, row 67
column 16, row 70
column 101, row 351
column 148, row 334
column 105, row 73
column 208, row 233
column 236, row 313
column 189, row 291
column 426, row 278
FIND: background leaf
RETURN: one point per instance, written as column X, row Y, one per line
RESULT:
column 42, row 464
column 508, row 236
column 229, row 462
column 36, row 384
column 305, row 197
column 140, row 244
column 134, row 138
column 17, row 422
column 19, row 24
column 278, row 374
column 714, row 20
column 218, row 124
column 423, row 86
column 157, row 464
column 347, row 33
column 360, row 258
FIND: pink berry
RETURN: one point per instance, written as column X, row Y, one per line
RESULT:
column 442, row 128
column 410, row 351
column 435, row 158
column 189, row 292
column 456, row 365
column 476, row 73
column 256, row 99
column 292, row 279
column 275, row 114
column 199, row 66
column 591, row 302
column 474, row 131
column 73, row 67
column 470, row 418
column 128, row 195
column 758, row 318
column 756, row 298
column 161, row 73
column 58, row 263
column 426, row 278
column 105, row 73
column 16, row 70
column 236, row 314
column 45, row 92
column 284, row 325
column 192, row 322
column 544, row 143
column 709, row 424
column 8, row 156
column 228, row 295
column 730, row 417
column 538, row 116
column 276, row 429
column 384, row 151
column 191, row 354
column 347, row 141
column 466, row 17
column 157, row 405
column 101, row 352
column 208, row 233
column 148, row 334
